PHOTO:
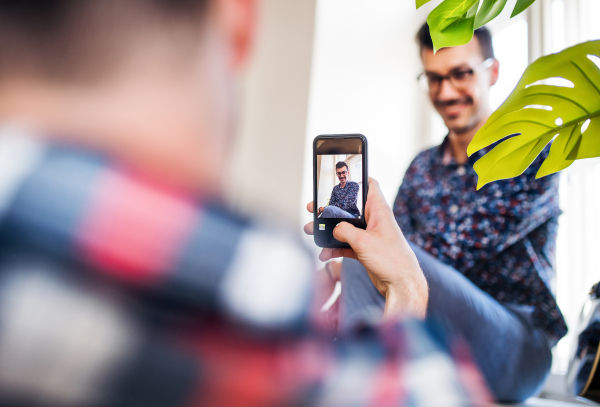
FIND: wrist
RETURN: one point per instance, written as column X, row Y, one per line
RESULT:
column 406, row 300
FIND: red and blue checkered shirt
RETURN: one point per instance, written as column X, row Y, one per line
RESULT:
column 116, row 290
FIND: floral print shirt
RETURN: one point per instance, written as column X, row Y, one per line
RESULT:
column 345, row 198
column 501, row 237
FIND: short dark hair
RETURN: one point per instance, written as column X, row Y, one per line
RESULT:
column 482, row 34
column 341, row 164
column 79, row 39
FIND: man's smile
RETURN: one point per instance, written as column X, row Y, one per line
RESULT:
column 454, row 108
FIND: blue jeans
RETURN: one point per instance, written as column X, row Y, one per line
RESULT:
column 513, row 355
column 331, row 211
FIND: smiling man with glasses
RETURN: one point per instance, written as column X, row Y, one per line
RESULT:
column 487, row 255
column 342, row 203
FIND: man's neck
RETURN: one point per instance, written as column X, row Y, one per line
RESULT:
column 458, row 142
column 343, row 185
column 94, row 119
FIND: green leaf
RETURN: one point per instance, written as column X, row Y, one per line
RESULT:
column 589, row 143
column 489, row 10
column 451, row 23
column 521, row 6
column 421, row 2
column 558, row 97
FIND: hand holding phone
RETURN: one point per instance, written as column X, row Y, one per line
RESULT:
column 384, row 252
column 340, row 184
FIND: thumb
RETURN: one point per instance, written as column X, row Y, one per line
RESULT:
column 347, row 233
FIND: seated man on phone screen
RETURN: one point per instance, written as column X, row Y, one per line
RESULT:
column 124, row 281
column 344, row 196
column 488, row 254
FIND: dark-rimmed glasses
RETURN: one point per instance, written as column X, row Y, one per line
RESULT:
column 460, row 78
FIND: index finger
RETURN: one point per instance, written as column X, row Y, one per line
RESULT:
column 309, row 228
column 311, row 207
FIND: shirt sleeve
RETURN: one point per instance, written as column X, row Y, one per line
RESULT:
column 353, row 203
column 355, row 188
column 402, row 210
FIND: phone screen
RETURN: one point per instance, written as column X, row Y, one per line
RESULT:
column 341, row 183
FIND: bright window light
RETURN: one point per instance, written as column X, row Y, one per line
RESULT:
column 510, row 48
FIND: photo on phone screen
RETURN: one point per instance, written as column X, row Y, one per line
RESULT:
column 340, row 184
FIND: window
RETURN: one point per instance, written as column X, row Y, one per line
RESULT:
column 511, row 49
column 577, row 263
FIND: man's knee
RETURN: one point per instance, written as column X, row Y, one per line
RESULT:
column 328, row 212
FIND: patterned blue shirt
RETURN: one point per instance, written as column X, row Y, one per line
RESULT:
column 345, row 198
column 501, row 237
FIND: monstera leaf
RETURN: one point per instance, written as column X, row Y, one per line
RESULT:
column 557, row 100
column 452, row 22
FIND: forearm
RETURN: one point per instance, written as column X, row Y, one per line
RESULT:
column 408, row 298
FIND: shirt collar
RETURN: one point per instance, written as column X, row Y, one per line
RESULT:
column 444, row 149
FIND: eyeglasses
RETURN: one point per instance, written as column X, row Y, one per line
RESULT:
column 460, row 78
column 341, row 173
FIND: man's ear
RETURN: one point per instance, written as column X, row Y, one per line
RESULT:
column 238, row 18
column 495, row 70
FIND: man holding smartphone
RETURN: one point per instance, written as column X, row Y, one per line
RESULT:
column 487, row 254
column 344, row 195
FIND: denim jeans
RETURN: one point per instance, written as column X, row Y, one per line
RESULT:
column 513, row 355
column 331, row 211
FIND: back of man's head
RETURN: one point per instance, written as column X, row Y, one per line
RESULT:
column 83, row 39
column 151, row 81
column 482, row 34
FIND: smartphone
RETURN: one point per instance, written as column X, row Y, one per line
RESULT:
column 341, row 182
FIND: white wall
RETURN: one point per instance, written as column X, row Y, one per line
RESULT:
column 267, row 169
column 327, row 179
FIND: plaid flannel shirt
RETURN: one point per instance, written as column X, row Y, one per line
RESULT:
column 118, row 291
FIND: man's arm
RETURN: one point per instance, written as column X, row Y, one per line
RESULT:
column 354, row 207
column 401, row 206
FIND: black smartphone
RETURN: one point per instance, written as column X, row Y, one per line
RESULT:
column 340, row 183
